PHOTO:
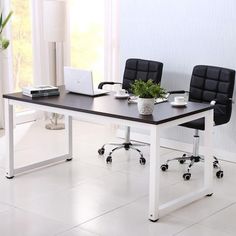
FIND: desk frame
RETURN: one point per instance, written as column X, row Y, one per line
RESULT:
column 155, row 209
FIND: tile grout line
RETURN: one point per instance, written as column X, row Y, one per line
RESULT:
column 116, row 208
column 58, row 221
column 34, row 213
column 105, row 213
column 65, row 231
column 204, row 218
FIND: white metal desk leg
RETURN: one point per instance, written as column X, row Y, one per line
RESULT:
column 68, row 128
column 154, row 182
column 208, row 167
column 9, row 135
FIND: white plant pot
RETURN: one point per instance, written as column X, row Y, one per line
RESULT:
column 146, row 105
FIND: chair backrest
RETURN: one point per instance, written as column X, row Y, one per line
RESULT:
column 213, row 83
column 141, row 69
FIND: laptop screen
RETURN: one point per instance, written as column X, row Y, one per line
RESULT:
column 78, row 81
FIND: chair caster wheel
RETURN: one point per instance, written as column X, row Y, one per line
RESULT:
column 101, row 151
column 187, row 176
column 11, row 177
column 209, row 195
column 182, row 162
column 215, row 164
column 142, row 161
column 109, row 160
column 164, row 167
column 219, row 174
column 69, row 159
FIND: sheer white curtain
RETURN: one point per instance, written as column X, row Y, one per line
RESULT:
column 41, row 48
column 6, row 77
column 112, row 41
column 43, row 54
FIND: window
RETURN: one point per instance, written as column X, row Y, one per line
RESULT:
column 22, row 44
column 87, row 18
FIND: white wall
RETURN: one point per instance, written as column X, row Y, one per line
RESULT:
column 182, row 34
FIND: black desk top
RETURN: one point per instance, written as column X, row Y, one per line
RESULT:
column 108, row 105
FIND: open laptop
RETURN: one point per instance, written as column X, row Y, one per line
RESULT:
column 81, row 81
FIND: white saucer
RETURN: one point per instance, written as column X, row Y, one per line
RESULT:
column 178, row 104
column 121, row 96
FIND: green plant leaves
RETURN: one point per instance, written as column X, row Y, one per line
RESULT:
column 4, row 43
column 4, row 22
column 1, row 21
column 147, row 89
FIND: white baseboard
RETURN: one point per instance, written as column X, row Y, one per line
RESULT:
column 176, row 145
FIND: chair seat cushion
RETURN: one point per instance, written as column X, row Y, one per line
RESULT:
column 200, row 123
column 195, row 124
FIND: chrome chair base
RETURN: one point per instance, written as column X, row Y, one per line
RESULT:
column 127, row 145
column 195, row 157
column 193, row 160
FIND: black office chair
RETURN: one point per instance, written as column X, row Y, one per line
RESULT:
column 209, row 84
column 134, row 69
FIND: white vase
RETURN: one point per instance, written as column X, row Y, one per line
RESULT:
column 146, row 105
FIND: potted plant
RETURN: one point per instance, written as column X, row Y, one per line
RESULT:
column 147, row 92
column 4, row 43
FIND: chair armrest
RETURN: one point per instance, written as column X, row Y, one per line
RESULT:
column 177, row 92
column 104, row 83
column 215, row 101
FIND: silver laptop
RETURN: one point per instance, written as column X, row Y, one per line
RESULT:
column 80, row 81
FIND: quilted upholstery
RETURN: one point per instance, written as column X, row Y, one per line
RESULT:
column 141, row 69
column 212, row 83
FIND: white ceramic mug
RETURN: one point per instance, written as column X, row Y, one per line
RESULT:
column 121, row 92
column 179, row 99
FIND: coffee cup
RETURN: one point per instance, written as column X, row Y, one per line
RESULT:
column 179, row 100
column 121, row 92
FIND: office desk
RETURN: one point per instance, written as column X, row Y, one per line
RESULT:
column 106, row 109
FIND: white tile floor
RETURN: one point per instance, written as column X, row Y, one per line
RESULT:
column 86, row 197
